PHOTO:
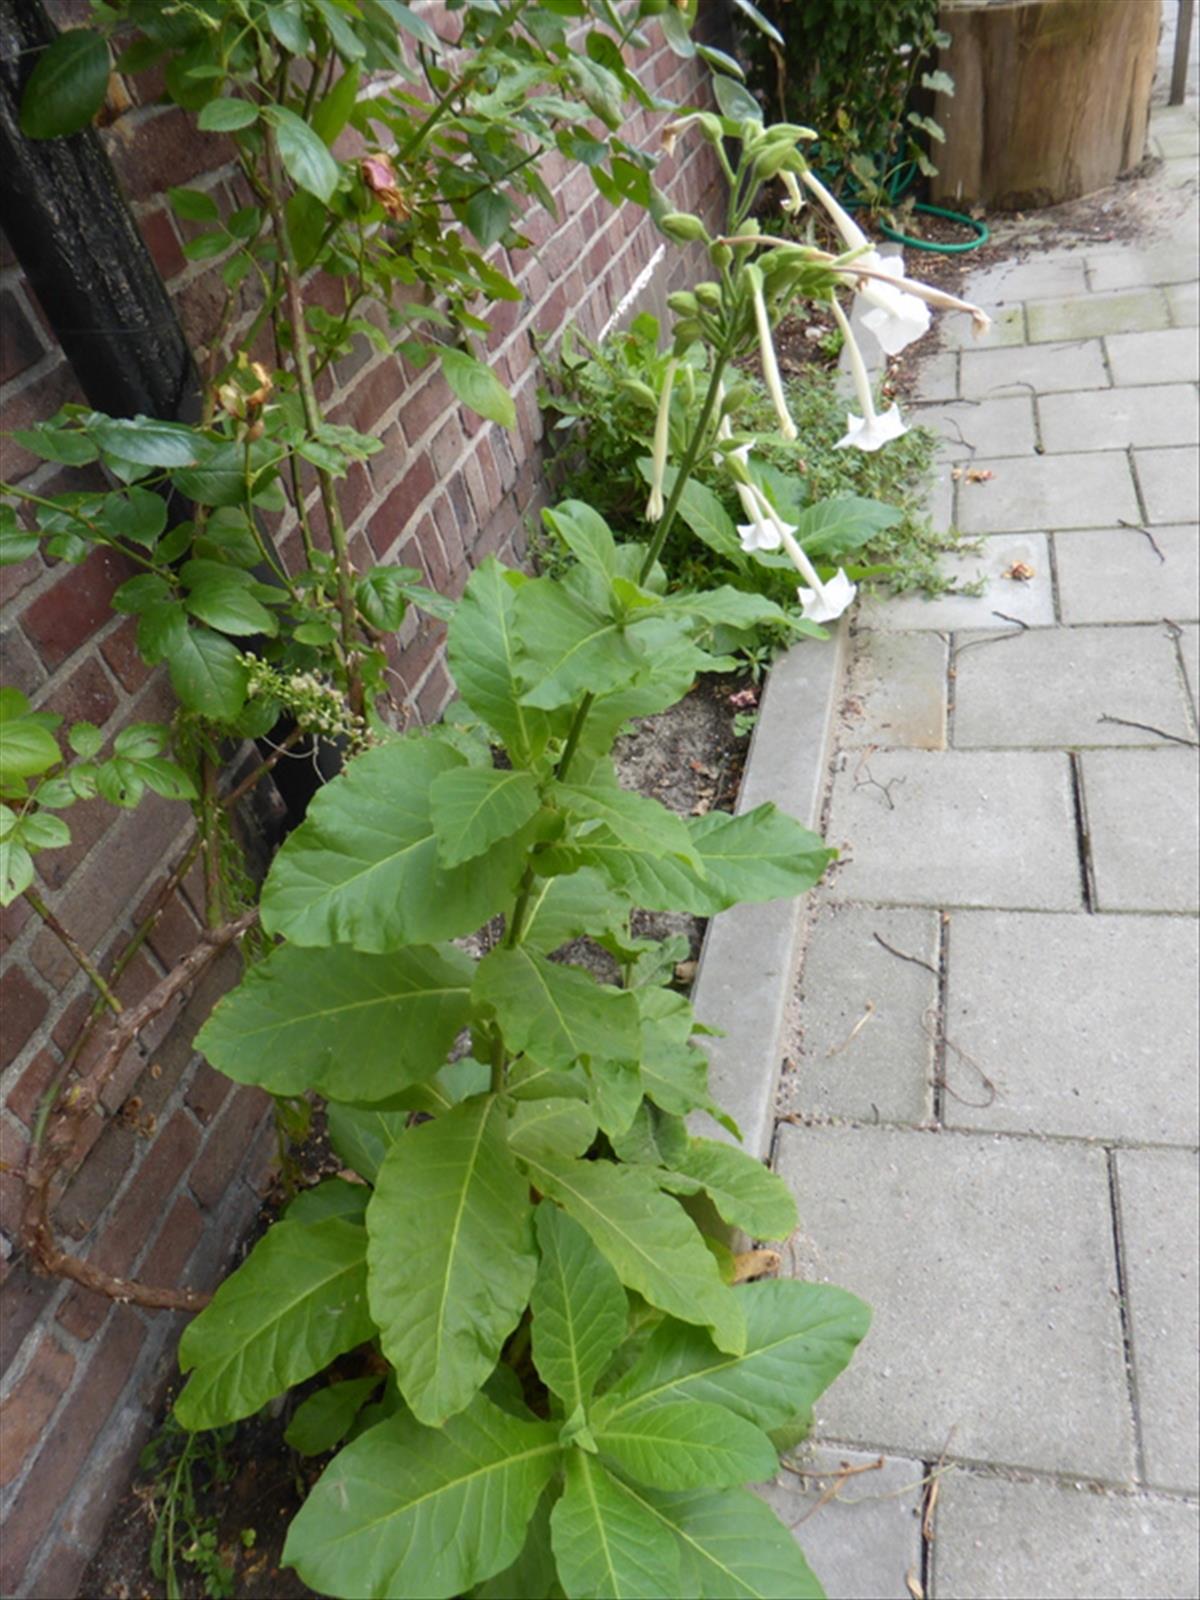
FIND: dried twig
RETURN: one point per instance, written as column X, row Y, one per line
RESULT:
column 1136, row 527
column 969, row 1060
column 868, row 1013
column 873, row 783
column 917, row 961
column 993, row 638
column 1146, row 727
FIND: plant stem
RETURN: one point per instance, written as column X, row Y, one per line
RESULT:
column 77, row 952
column 690, row 456
column 312, row 418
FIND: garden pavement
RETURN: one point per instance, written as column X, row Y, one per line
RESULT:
column 990, row 1124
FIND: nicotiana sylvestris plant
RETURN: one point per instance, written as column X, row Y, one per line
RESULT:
column 576, row 1390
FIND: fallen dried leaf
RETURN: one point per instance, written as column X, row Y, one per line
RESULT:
column 913, row 1584
column 1020, row 572
column 749, row 1264
column 979, row 474
column 685, row 971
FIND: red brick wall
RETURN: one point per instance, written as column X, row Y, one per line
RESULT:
column 171, row 1167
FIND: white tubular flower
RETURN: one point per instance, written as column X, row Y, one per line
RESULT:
column 762, row 531
column 896, row 318
column 766, row 530
column 845, row 224
column 871, row 430
column 766, row 347
column 655, row 506
column 827, row 603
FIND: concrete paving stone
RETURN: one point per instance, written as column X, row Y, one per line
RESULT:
column 896, row 693
column 1000, row 1539
column 1008, row 328
column 1189, row 648
column 885, row 1069
column 1168, row 356
column 1068, row 491
column 956, row 828
column 1178, row 172
column 1113, row 575
column 1168, row 480
column 1177, row 144
column 1042, row 276
column 1157, row 1190
column 1141, row 266
column 999, row 426
column 1114, row 419
column 1183, row 302
column 1049, row 687
column 939, row 498
column 938, row 376
column 1043, row 368
column 1064, row 1014
column 1032, row 600
column 1121, row 311
column 990, row 1269
column 1141, row 814
column 863, row 1541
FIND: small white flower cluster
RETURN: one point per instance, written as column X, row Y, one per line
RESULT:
column 317, row 706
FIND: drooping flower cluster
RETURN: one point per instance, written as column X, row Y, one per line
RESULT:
column 318, row 707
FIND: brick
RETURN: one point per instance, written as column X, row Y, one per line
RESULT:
column 167, row 1257
column 133, row 1220
column 374, row 394
column 54, row 1473
column 62, row 619
column 22, row 669
column 25, row 1298
column 13, row 918
column 22, row 345
column 31, row 1403
column 175, row 932
column 25, row 1096
column 123, row 657
column 101, row 1175
column 16, row 579
column 226, row 1147
column 59, row 1573
column 89, row 821
column 163, row 243
column 86, row 696
column 24, row 1005
column 154, row 148
column 100, row 897
column 424, row 406
column 445, row 448
column 207, row 1092
column 39, row 399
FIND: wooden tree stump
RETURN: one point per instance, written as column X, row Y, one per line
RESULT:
column 1051, row 99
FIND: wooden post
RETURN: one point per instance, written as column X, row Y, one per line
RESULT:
column 1183, row 38
column 1051, row 101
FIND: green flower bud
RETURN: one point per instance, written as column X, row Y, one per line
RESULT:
column 682, row 303
column 709, row 296
column 720, row 255
column 683, row 227
column 652, row 8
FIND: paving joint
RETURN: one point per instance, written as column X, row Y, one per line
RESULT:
column 1083, row 841
column 1114, row 1197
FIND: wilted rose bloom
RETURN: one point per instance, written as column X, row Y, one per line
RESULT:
column 376, row 172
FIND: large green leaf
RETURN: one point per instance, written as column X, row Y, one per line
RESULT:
column 580, row 1312
column 799, row 1337
column 648, row 1239
column 207, row 673
column 297, row 1300
column 636, row 820
column 147, row 440
column 532, row 1575
column 833, row 527
column 703, row 512
column 325, row 1417
column 556, row 1013
column 687, row 1444
column 362, row 1136
column 559, row 1124
column 746, row 1193
column 567, row 648
column 478, row 387
column 732, row 1547
column 451, row 1255
column 607, row 1545
column 483, row 651
column 407, row 1510
column 474, row 807
column 586, row 534
column 303, row 153
column 363, row 867
column 561, row 909
column 760, row 855
column 350, row 1025
column 66, row 88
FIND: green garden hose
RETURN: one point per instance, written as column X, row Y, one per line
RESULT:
column 979, row 229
